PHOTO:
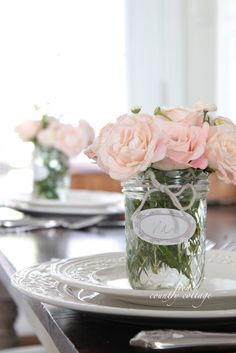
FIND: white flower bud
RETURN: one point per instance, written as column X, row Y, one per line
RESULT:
column 206, row 107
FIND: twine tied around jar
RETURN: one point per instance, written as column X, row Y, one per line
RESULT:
column 156, row 186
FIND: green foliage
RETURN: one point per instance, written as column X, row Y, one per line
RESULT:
column 45, row 121
column 56, row 164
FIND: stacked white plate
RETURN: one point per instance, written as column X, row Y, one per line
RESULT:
column 75, row 202
column 99, row 284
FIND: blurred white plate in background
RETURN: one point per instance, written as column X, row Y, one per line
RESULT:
column 76, row 202
column 78, row 198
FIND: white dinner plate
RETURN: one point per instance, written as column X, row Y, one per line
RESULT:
column 106, row 273
column 37, row 282
column 77, row 202
column 76, row 198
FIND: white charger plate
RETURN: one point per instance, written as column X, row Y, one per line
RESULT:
column 106, row 274
column 36, row 282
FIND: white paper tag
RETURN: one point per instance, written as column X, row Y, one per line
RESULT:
column 164, row 226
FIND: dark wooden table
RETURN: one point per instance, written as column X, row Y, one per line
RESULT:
column 70, row 331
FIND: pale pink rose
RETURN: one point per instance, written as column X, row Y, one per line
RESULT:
column 221, row 152
column 47, row 137
column 88, row 131
column 185, row 148
column 184, row 115
column 71, row 140
column 93, row 150
column 129, row 146
column 28, row 129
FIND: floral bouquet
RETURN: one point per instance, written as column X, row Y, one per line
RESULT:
column 164, row 161
column 54, row 143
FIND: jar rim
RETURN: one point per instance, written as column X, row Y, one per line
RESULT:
column 174, row 178
column 189, row 174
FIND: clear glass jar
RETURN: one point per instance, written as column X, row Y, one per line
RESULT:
column 165, row 246
column 50, row 173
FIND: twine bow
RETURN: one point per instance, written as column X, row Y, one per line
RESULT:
column 156, row 186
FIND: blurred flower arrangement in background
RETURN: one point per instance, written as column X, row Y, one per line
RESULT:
column 55, row 143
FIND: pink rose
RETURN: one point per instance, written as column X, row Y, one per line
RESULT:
column 88, row 131
column 184, row 115
column 47, row 137
column 93, row 150
column 129, row 146
column 186, row 147
column 28, row 129
column 71, row 140
column 221, row 152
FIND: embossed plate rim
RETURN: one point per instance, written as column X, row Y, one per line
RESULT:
column 113, row 307
column 135, row 295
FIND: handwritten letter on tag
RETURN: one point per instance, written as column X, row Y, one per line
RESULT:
column 163, row 226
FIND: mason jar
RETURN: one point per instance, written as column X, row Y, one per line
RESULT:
column 165, row 225
column 50, row 173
